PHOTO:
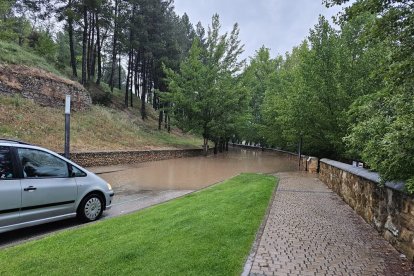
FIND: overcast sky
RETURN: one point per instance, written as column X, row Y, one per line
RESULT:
column 278, row 24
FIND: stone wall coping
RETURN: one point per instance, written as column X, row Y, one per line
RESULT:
column 364, row 173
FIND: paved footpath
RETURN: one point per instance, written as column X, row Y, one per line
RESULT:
column 311, row 231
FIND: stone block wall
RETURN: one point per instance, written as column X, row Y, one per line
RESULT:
column 42, row 87
column 387, row 208
column 91, row 159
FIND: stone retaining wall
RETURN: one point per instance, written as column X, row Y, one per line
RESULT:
column 91, row 159
column 42, row 87
column 387, row 208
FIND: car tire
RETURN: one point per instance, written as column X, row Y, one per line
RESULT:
column 90, row 208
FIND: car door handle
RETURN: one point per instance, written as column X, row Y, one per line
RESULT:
column 30, row 188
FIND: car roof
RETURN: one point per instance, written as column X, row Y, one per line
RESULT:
column 12, row 141
column 19, row 144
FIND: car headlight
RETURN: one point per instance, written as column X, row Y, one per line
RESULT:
column 109, row 186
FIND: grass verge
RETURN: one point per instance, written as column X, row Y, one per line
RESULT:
column 206, row 233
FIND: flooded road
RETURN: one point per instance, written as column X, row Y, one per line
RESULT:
column 138, row 186
column 192, row 173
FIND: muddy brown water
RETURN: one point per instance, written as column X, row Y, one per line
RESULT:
column 192, row 173
column 138, row 186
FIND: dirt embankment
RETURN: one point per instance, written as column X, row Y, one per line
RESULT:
column 42, row 87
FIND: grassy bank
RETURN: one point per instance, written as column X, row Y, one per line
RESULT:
column 206, row 233
column 98, row 129
column 11, row 53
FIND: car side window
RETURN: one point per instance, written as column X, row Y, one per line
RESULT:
column 36, row 163
column 6, row 165
column 77, row 172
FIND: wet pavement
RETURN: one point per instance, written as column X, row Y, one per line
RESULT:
column 138, row 186
column 310, row 230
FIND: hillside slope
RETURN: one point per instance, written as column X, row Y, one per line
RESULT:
column 95, row 128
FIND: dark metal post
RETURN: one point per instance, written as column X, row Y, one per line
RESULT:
column 67, row 126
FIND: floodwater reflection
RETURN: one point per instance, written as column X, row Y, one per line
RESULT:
column 192, row 173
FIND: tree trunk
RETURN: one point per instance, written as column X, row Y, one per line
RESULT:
column 155, row 98
column 131, row 81
column 136, row 75
column 169, row 124
column 205, row 146
column 144, row 89
column 89, row 53
column 93, row 47
column 155, row 101
column 114, row 42
column 98, row 43
column 84, row 43
column 150, row 90
column 128, row 76
column 93, row 62
column 160, row 119
column 165, row 120
column 119, row 73
column 215, row 146
column 71, row 46
column 221, row 145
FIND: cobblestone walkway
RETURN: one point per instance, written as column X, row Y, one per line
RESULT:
column 311, row 231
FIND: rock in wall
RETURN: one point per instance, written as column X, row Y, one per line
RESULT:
column 42, row 87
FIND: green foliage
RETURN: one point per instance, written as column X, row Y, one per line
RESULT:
column 206, row 94
column 14, row 29
column 382, row 127
column 257, row 79
column 11, row 53
column 43, row 45
column 308, row 92
column 101, row 95
column 382, row 133
column 305, row 96
column 206, row 233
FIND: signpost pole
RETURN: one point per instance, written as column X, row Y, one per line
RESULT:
column 67, row 126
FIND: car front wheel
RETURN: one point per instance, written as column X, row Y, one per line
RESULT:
column 91, row 208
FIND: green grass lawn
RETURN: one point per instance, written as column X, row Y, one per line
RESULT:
column 206, row 233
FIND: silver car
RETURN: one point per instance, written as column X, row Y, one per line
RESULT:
column 39, row 186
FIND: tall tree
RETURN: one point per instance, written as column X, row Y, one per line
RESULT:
column 204, row 94
column 70, row 15
column 84, row 43
column 114, row 45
